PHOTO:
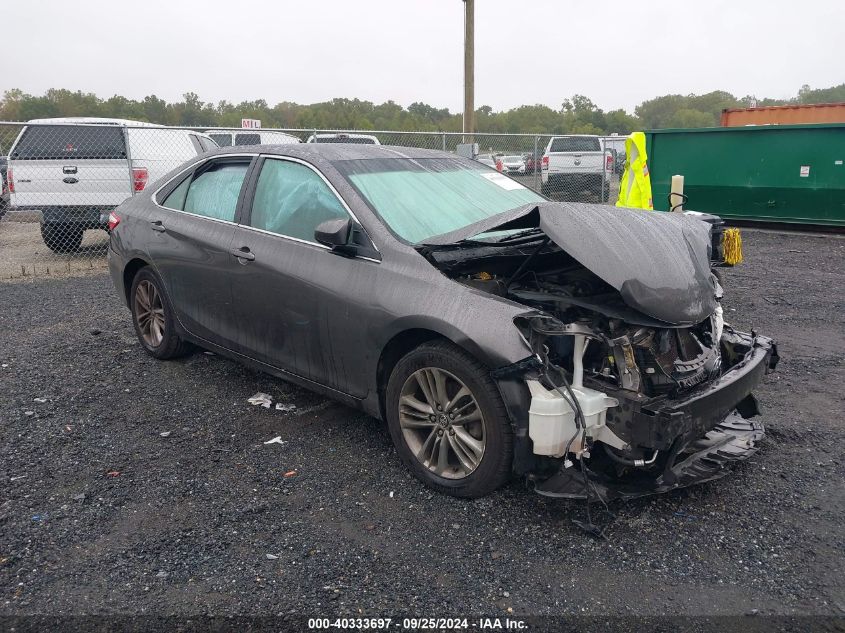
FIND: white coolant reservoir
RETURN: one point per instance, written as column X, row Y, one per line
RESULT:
column 551, row 419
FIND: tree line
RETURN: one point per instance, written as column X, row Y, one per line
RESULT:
column 576, row 115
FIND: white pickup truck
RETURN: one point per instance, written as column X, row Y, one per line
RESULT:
column 75, row 171
column 574, row 164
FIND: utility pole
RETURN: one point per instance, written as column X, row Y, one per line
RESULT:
column 469, row 70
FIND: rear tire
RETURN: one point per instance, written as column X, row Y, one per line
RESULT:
column 152, row 316
column 61, row 238
column 472, row 430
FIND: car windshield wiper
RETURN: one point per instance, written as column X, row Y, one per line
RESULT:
column 532, row 232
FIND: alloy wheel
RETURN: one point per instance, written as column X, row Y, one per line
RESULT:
column 442, row 423
column 149, row 312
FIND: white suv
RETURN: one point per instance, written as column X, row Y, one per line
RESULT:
column 246, row 136
column 343, row 137
column 75, row 171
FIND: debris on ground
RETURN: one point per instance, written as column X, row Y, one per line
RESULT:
column 261, row 399
column 290, row 473
column 276, row 440
column 165, row 433
column 113, row 473
column 271, row 556
column 40, row 400
column 283, row 406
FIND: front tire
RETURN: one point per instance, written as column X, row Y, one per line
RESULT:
column 448, row 422
column 152, row 316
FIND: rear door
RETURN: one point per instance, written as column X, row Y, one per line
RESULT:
column 191, row 231
column 70, row 166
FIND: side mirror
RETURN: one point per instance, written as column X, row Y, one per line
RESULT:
column 334, row 233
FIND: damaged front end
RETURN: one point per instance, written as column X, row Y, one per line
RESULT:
column 660, row 408
column 634, row 374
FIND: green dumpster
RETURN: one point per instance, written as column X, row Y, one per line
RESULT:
column 767, row 173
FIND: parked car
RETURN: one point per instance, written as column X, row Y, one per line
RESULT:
column 343, row 137
column 513, row 164
column 76, row 170
column 619, row 164
column 532, row 164
column 238, row 137
column 4, row 187
column 486, row 159
column 576, row 163
column 495, row 332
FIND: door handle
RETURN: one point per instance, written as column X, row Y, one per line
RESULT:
column 158, row 226
column 244, row 254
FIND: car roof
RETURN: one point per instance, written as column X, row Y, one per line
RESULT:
column 343, row 135
column 335, row 151
column 95, row 120
column 253, row 130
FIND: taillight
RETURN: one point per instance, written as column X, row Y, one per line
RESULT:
column 114, row 220
column 545, row 162
column 499, row 165
column 139, row 178
column 608, row 164
column 10, row 180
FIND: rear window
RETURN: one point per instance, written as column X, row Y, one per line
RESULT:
column 248, row 139
column 63, row 142
column 575, row 144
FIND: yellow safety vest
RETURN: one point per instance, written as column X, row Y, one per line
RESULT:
column 635, row 185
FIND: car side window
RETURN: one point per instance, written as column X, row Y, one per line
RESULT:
column 248, row 139
column 292, row 200
column 176, row 198
column 222, row 140
column 214, row 192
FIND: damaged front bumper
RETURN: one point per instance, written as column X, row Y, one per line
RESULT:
column 696, row 435
column 732, row 440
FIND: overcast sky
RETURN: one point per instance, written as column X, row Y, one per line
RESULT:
column 528, row 51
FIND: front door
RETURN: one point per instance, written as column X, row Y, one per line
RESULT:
column 297, row 298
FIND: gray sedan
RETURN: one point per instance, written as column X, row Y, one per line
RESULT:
column 581, row 347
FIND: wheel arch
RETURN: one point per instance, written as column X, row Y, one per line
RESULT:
column 408, row 339
column 129, row 271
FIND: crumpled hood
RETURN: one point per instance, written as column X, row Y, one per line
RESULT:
column 659, row 262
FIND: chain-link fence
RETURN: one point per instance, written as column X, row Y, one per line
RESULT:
column 61, row 180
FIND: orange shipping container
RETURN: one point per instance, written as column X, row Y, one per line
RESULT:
column 784, row 115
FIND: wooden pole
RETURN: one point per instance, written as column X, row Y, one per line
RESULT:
column 469, row 70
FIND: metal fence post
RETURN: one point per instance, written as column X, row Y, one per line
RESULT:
column 536, row 170
column 444, row 141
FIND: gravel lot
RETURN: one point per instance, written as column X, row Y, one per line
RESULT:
column 24, row 254
column 142, row 487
